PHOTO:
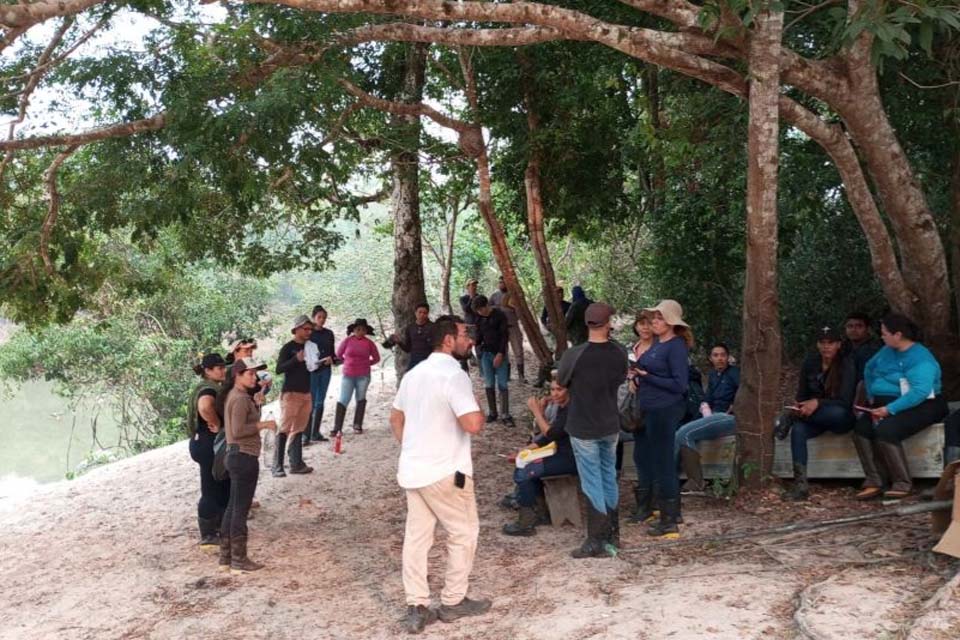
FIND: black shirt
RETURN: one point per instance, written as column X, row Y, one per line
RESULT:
column 417, row 339
column 593, row 372
column 296, row 378
column 493, row 332
column 466, row 305
column 813, row 380
column 324, row 340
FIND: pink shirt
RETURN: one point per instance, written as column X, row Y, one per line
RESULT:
column 358, row 354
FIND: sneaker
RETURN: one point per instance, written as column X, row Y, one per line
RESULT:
column 466, row 607
column 418, row 617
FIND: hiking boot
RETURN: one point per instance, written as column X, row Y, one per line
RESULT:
column 281, row 446
column 296, row 457
column 209, row 533
column 338, row 419
column 643, row 512
column 666, row 527
column 690, row 461
column 224, row 564
column 417, row 618
column 239, row 562
column 466, row 607
column 358, row 414
column 598, row 533
column 800, row 489
column 526, row 524
column 491, row 405
column 895, row 460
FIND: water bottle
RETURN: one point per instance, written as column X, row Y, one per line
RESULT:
column 338, row 443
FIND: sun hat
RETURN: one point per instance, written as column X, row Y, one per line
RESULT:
column 300, row 321
column 671, row 311
column 245, row 364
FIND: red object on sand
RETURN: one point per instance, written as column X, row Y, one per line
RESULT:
column 338, row 443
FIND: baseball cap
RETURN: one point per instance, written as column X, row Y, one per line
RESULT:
column 245, row 364
column 598, row 314
column 828, row 333
column 299, row 321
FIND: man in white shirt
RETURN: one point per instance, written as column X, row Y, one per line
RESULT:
column 433, row 416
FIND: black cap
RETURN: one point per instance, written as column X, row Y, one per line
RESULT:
column 828, row 333
column 211, row 360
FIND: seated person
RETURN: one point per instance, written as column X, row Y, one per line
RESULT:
column 551, row 418
column 951, row 433
column 902, row 382
column 860, row 343
column 717, row 420
column 825, row 393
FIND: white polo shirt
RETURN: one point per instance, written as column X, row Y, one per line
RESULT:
column 432, row 396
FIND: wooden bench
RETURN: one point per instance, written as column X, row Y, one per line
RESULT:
column 563, row 499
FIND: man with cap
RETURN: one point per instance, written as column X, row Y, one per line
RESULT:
column 466, row 302
column 502, row 300
column 295, row 400
column 593, row 372
column 493, row 338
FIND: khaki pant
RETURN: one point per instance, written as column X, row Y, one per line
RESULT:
column 516, row 345
column 456, row 510
column 294, row 411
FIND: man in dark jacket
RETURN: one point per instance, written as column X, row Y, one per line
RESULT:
column 416, row 337
column 576, row 322
column 295, row 400
column 466, row 302
column 860, row 342
column 493, row 337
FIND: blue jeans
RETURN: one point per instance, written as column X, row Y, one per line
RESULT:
column 528, row 480
column 712, row 427
column 596, row 466
column 826, row 418
column 491, row 373
column 653, row 450
column 319, row 383
column 351, row 385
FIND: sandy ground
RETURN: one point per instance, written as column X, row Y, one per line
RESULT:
column 113, row 555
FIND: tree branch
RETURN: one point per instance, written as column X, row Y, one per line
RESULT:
column 24, row 15
column 53, row 210
column 405, row 109
column 86, row 137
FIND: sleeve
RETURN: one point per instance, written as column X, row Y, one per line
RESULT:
column 311, row 355
column 679, row 377
column 803, row 389
column 920, row 377
column 848, row 385
column 460, row 395
column 207, row 391
column 374, row 352
column 565, row 369
column 405, row 340
column 713, row 381
column 465, row 304
column 286, row 360
column 341, row 348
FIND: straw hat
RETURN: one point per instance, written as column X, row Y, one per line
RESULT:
column 671, row 311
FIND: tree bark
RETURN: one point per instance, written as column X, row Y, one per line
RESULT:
column 756, row 402
column 408, row 281
column 447, row 267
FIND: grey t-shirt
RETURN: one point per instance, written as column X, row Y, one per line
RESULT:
column 593, row 372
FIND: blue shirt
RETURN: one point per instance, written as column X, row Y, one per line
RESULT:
column 722, row 388
column 888, row 367
column 668, row 374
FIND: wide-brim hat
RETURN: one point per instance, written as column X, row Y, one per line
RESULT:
column 239, row 342
column 671, row 311
column 300, row 321
column 359, row 322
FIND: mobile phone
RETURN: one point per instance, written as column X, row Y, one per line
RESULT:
column 859, row 408
column 791, row 407
column 459, row 480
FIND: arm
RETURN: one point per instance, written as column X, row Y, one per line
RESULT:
column 920, row 377
column 567, row 362
column 287, row 360
column 374, row 352
column 536, row 408
column 207, row 408
column 803, row 389
column 404, row 341
column 397, row 420
column 473, row 422
column 341, row 349
column 504, row 333
column 460, row 398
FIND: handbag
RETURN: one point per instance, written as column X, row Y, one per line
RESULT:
column 220, row 456
column 631, row 417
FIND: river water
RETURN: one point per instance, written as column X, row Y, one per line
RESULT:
column 43, row 438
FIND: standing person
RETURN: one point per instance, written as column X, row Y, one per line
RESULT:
column 358, row 353
column 243, row 425
column 662, row 376
column 545, row 315
column 493, row 336
column 295, row 400
column 203, row 423
column 860, row 343
column 827, row 384
column 416, row 337
column 319, row 356
column 433, row 416
column 240, row 348
column 717, row 420
column 501, row 299
column 593, row 372
column 644, row 334
column 466, row 302
column 576, row 323
column 903, row 385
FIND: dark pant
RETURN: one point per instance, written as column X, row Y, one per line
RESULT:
column 528, row 480
column 214, row 494
column 896, row 429
column 826, row 418
column 653, row 450
column 319, row 383
column 244, row 471
column 952, row 430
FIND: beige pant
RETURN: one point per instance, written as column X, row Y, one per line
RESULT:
column 516, row 345
column 456, row 510
column 294, row 411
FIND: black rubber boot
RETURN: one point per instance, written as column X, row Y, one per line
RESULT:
column 505, row 416
column 239, row 562
column 667, row 527
column 224, row 564
column 525, row 525
column 598, row 532
column 296, row 457
column 315, row 434
column 492, row 404
column 209, row 533
column 613, row 517
column 800, row 489
column 643, row 512
column 306, row 436
column 338, row 419
column 358, row 416
column 281, row 445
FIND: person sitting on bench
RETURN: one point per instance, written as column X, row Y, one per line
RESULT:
column 951, row 434
column 902, row 382
column 550, row 415
column 824, row 402
column 717, row 420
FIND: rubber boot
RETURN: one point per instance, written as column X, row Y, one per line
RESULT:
column 543, row 511
column 690, row 460
column 667, row 527
column 895, row 459
column 209, row 533
column 239, row 562
column 307, row 435
column 613, row 518
column 520, row 374
column 526, row 524
column 338, row 419
column 800, row 489
column 358, row 416
column 281, row 445
column 872, row 480
column 643, row 512
column 950, row 454
column 315, row 434
column 492, row 404
column 505, row 416
column 224, row 563
column 598, row 532
column 296, row 457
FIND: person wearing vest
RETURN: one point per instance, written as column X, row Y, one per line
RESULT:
column 203, row 424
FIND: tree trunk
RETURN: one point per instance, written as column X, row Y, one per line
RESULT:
column 447, row 267
column 408, row 281
column 756, row 402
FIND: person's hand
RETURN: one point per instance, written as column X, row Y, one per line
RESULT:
column 497, row 360
column 808, row 407
column 213, row 428
column 705, row 409
column 533, row 404
column 301, row 355
column 641, row 372
column 269, row 425
column 632, row 385
column 327, row 361
column 880, row 413
column 259, row 398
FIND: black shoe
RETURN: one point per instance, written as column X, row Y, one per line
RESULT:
column 321, row 438
column 417, row 618
column 781, row 428
column 598, row 536
column 667, row 527
column 301, row 470
column 525, row 525
column 508, row 421
column 800, row 489
column 466, row 607
column 491, row 417
column 491, row 405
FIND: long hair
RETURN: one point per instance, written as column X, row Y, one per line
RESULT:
column 834, row 378
column 686, row 333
